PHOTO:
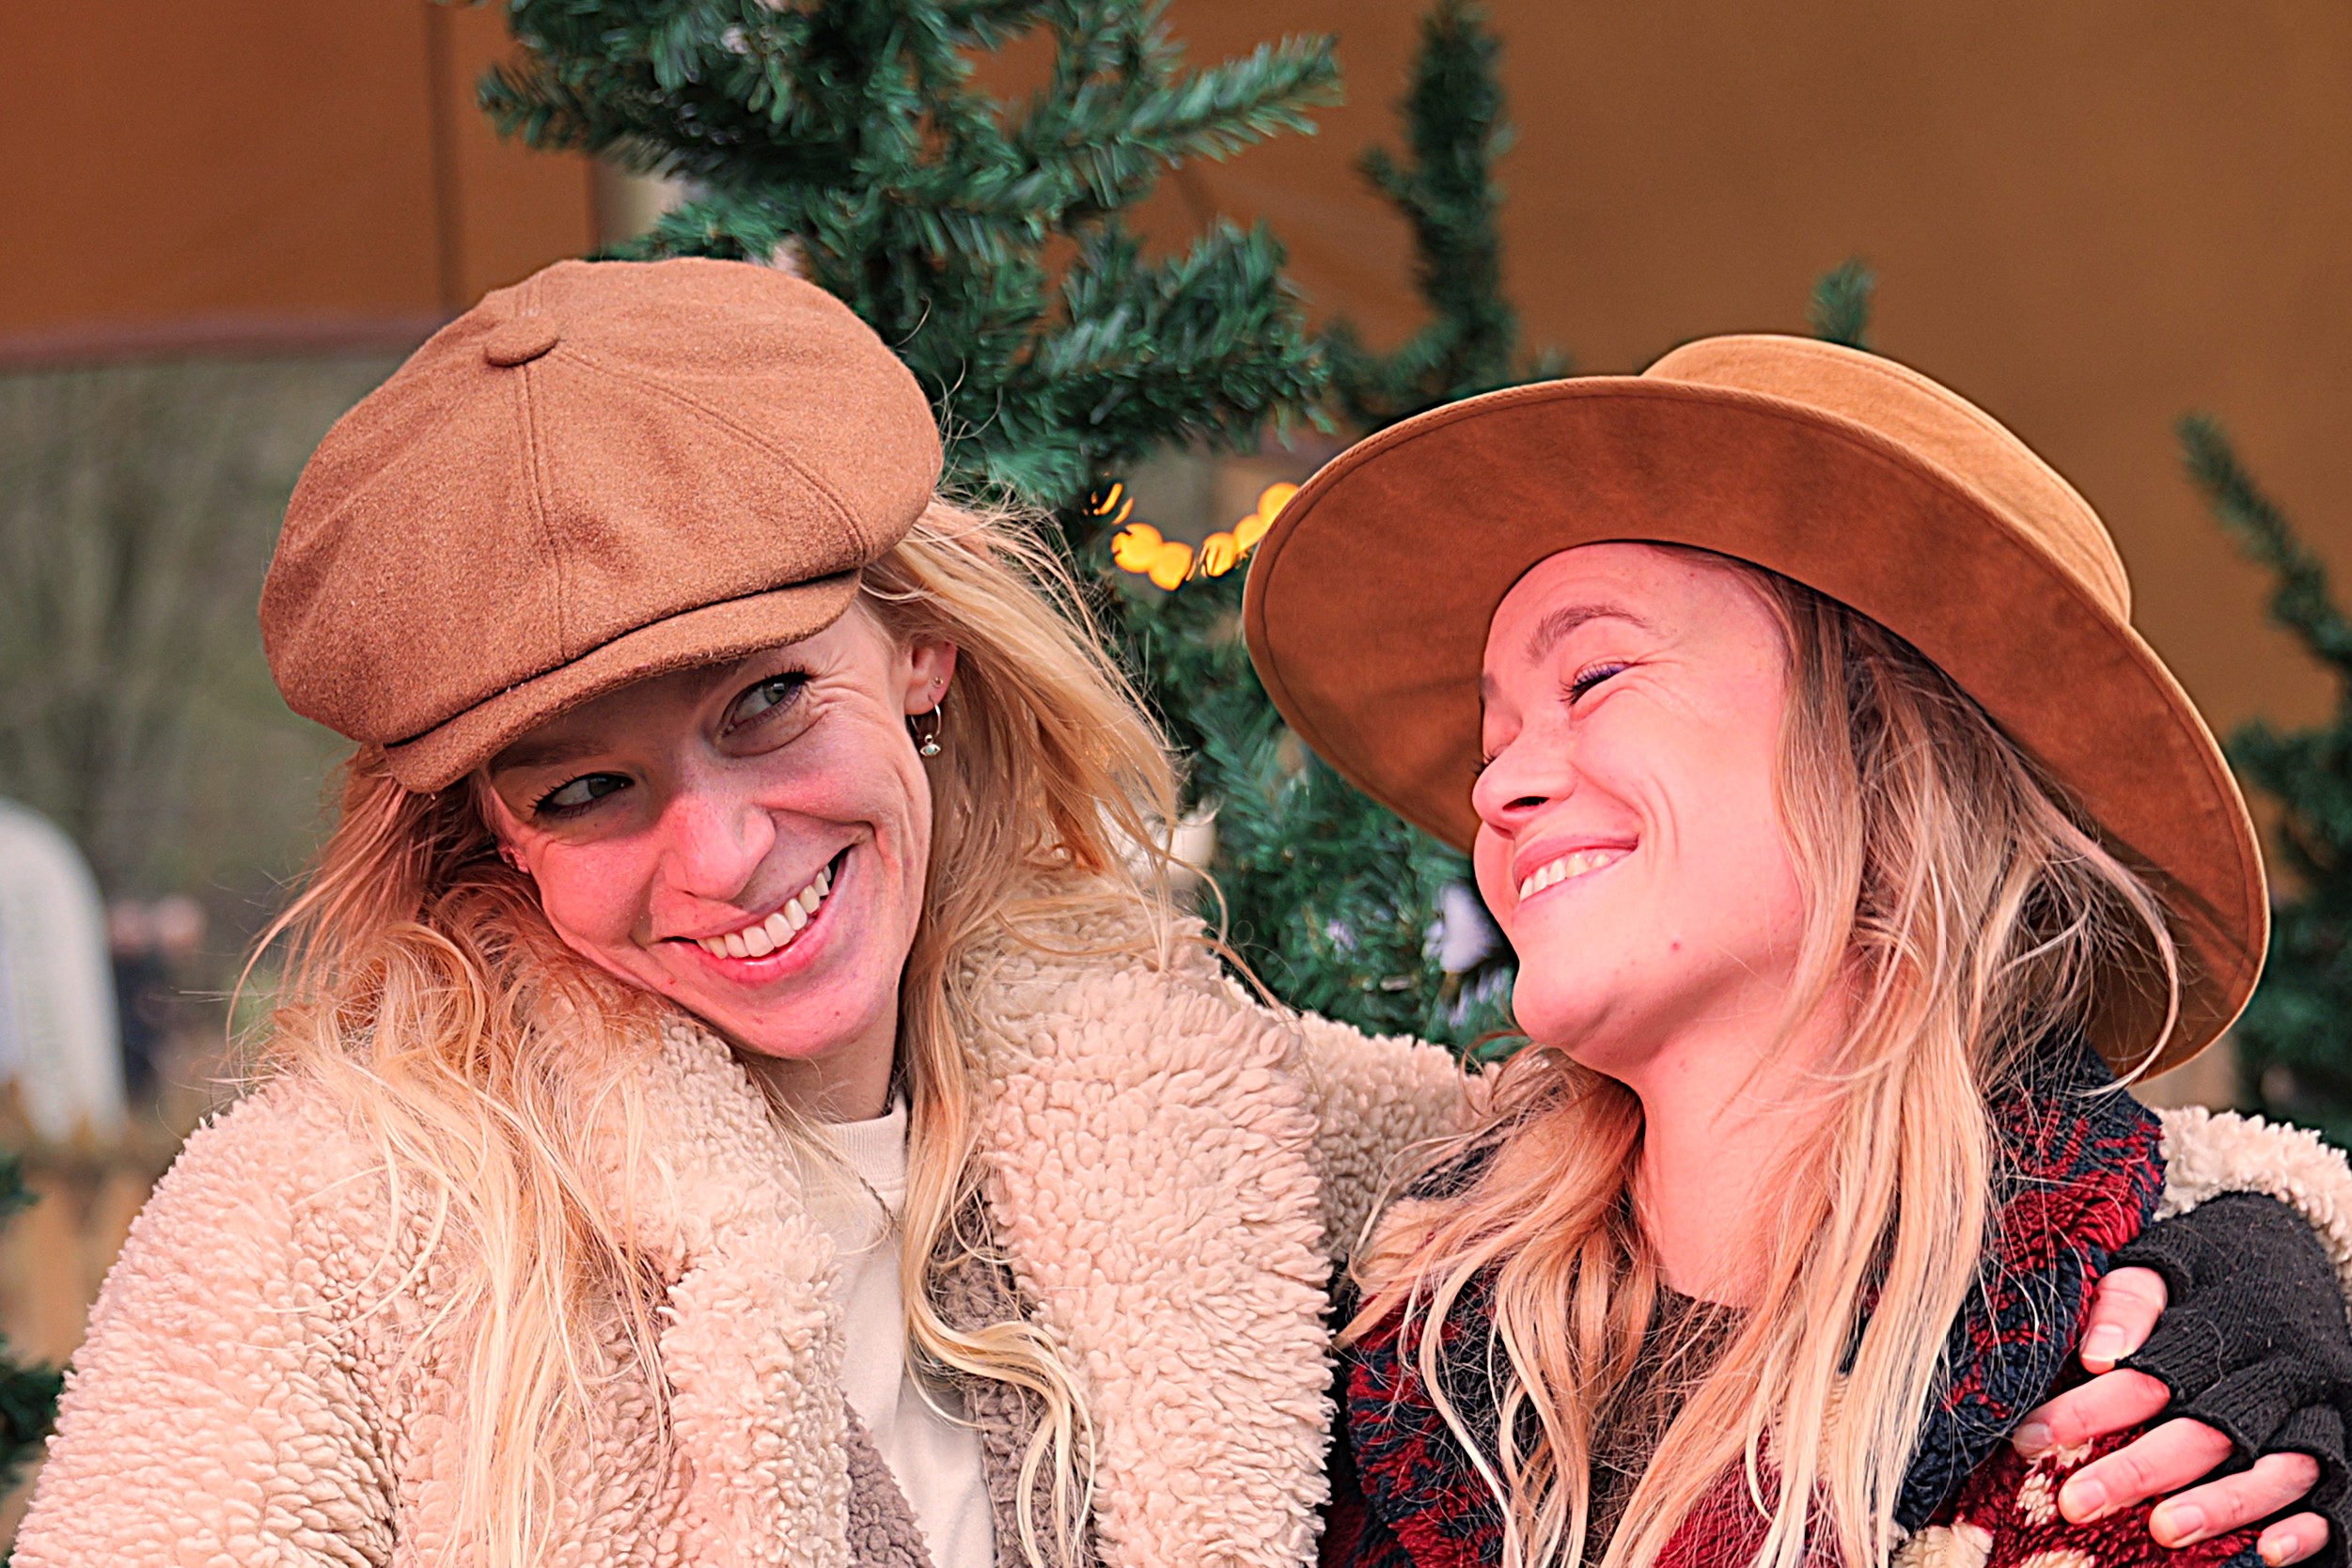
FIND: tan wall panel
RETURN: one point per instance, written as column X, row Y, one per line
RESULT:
column 2091, row 218
column 216, row 172
column 516, row 210
column 214, row 158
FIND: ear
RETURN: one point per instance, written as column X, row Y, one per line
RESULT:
column 929, row 667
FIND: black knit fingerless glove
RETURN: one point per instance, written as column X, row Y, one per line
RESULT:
column 2255, row 1341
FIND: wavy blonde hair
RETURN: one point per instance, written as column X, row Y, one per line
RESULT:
column 495, row 1071
column 1963, row 915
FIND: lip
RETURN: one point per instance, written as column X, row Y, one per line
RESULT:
column 1536, row 856
column 795, row 956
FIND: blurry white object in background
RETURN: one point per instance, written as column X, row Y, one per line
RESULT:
column 1465, row 935
column 58, row 1042
column 1193, row 845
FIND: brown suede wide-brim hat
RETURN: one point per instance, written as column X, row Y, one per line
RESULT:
column 609, row 471
column 1369, row 601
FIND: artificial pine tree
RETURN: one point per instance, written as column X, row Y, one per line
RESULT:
column 984, row 235
column 2294, row 1045
column 1333, row 901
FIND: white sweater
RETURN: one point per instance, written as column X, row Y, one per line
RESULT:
column 934, row 1459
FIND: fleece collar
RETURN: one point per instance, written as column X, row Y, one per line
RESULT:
column 1147, row 1172
column 2083, row 1175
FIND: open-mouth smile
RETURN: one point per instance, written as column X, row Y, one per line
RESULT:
column 1567, row 867
column 776, row 931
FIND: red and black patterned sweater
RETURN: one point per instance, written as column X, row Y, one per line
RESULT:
column 2084, row 1177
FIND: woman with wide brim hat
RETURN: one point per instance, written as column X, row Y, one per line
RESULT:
column 1850, row 840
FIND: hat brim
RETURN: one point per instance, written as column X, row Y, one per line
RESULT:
column 1368, row 605
column 712, row 634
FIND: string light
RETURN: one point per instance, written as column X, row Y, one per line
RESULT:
column 1140, row 548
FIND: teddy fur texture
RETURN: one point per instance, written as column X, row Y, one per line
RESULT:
column 1168, row 1170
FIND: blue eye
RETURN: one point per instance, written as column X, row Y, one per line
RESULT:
column 578, row 794
column 776, row 691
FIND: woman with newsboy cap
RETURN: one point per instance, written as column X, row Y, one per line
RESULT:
column 738, row 1099
column 1851, row 842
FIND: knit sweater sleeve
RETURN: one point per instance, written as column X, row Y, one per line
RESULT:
column 212, row 1415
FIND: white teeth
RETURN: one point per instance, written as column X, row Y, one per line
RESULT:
column 1564, row 867
column 777, row 931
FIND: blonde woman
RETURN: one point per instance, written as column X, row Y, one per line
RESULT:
column 1850, row 842
column 735, row 1101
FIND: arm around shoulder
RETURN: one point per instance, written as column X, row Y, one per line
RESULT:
column 212, row 1415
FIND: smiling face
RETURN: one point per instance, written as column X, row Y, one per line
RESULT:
column 1630, row 839
column 749, row 841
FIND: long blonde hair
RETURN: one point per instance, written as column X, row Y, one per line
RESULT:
column 1967, row 916
column 494, row 1070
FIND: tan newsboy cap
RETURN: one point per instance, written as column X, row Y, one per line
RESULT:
column 609, row 471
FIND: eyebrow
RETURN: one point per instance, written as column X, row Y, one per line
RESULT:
column 1555, row 627
column 1560, row 622
column 521, row 755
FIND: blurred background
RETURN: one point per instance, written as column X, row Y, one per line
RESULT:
column 225, row 220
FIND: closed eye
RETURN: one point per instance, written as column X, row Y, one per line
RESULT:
column 1592, row 675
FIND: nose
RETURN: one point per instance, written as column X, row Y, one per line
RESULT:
column 1528, row 774
column 713, row 841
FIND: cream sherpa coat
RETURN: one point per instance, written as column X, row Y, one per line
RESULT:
column 1170, row 1168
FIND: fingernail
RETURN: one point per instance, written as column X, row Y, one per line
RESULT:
column 2183, row 1522
column 2103, row 1343
column 2031, row 1438
column 2279, row 1546
column 2082, row 1499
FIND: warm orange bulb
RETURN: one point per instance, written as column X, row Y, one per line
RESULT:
column 1135, row 546
column 1170, row 563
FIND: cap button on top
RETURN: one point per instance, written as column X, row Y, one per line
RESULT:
column 521, row 340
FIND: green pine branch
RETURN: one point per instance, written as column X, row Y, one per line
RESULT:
column 2293, row 1051
column 982, row 236
column 2300, row 601
column 1841, row 307
column 1447, row 193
